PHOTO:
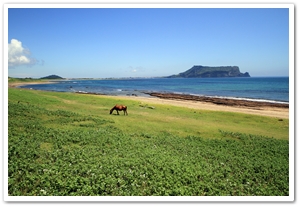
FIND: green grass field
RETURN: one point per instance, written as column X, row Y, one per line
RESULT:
column 25, row 80
column 69, row 144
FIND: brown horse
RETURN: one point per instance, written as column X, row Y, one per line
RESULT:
column 119, row 108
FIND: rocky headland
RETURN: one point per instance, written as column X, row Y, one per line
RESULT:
column 199, row 71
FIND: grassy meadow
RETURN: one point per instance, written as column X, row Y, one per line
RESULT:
column 24, row 80
column 66, row 144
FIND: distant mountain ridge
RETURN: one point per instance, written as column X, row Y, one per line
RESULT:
column 52, row 77
column 199, row 71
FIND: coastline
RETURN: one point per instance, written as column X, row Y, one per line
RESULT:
column 220, row 100
column 261, row 108
column 16, row 84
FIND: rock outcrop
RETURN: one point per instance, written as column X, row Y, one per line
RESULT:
column 199, row 71
column 52, row 77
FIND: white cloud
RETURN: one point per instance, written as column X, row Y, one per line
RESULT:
column 137, row 69
column 17, row 55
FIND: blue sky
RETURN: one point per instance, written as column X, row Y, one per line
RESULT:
column 141, row 42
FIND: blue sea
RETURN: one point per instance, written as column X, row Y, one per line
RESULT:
column 272, row 89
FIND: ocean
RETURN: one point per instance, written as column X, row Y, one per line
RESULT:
column 270, row 89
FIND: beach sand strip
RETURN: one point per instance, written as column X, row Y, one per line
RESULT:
column 256, row 108
column 277, row 110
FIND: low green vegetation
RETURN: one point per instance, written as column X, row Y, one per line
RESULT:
column 23, row 80
column 68, row 144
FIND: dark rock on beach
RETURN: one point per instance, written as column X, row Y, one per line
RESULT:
column 219, row 101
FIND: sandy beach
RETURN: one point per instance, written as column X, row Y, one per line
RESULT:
column 204, row 103
column 13, row 85
column 271, row 111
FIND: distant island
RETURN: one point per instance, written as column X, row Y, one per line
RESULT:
column 52, row 77
column 199, row 71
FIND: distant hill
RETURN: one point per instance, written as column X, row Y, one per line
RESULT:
column 52, row 77
column 199, row 71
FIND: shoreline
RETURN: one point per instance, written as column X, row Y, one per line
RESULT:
column 17, row 84
column 220, row 101
column 270, row 109
column 261, row 109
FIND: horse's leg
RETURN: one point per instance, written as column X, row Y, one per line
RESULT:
column 117, row 111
